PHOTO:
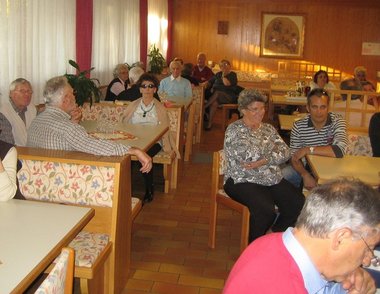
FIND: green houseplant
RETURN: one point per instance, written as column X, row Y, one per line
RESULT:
column 156, row 60
column 85, row 88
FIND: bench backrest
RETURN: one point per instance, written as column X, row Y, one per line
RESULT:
column 107, row 111
column 86, row 180
column 354, row 106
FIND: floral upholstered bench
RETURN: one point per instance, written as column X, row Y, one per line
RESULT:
column 359, row 145
column 102, row 249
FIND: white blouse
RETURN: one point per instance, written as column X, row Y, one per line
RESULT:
column 145, row 114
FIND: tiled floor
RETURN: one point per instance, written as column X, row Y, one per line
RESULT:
column 169, row 243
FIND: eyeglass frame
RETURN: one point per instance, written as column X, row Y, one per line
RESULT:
column 375, row 260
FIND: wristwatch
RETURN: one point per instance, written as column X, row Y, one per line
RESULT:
column 311, row 150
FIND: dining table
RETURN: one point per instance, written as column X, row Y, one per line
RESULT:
column 289, row 100
column 32, row 234
column 136, row 135
column 365, row 168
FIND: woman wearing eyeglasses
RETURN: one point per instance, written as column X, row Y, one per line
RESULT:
column 149, row 111
column 253, row 153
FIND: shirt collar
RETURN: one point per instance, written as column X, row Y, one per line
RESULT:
column 328, row 121
column 18, row 111
column 176, row 79
column 311, row 277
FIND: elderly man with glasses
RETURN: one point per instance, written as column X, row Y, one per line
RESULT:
column 18, row 110
column 334, row 237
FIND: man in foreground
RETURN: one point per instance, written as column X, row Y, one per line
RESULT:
column 54, row 129
column 321, row 133
column 335, row 234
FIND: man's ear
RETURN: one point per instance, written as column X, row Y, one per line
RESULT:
column 339, row 236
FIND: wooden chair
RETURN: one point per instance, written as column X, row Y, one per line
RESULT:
column 169, row 160
column 198, row 98
column 218, row 196
column 354, row 107
column 60, row 279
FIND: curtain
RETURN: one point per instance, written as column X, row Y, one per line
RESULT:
column 158, row 25
column 115, row 36
column 37, row 38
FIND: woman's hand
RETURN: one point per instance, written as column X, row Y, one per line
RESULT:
column 255, row 164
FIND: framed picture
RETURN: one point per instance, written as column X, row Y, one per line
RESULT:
column 282, row 35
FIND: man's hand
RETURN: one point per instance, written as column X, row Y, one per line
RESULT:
column 308, row 181
column 145, row 159
column 300, row 153
column 76, row 115
column 359, row 282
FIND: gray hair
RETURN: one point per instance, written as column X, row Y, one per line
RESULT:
column 118, row 69
column 175, row 62
column 340, row 203
column 17, row 82
column 247, row 96
column 134, row 74
column 54, row 89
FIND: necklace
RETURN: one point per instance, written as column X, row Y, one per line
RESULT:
column 146, row 110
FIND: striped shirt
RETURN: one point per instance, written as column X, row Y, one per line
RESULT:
column 53, row 129
column 333, row 133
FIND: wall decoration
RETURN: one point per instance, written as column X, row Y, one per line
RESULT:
column 282, row 35
column 222, row 27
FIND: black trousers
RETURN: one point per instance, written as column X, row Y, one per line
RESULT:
column 261, row 201
column 148, row 177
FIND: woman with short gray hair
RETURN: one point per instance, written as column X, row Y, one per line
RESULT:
column 253, row 152
column 120, row 82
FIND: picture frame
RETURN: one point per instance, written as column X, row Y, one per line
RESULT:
column 282, row 35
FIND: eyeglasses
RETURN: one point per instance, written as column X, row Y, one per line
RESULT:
column 150, row 86
column 375, row 261
column 23, row 92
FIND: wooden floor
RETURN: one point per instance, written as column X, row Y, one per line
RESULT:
column 169, row 243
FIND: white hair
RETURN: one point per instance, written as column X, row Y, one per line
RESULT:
column 135, row 73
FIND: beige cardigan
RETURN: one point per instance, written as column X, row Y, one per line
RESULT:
column 168, row 141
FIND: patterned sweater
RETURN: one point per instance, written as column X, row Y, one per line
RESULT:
column 242, row 144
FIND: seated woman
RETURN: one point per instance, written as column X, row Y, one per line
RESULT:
column 321, row 80
column 253, row 152
column 8, row 170
column 148, row 110
column 133, row 93
column 120, row 82
column 224, row 90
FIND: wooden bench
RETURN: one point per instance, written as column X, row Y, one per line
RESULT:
column 102, row 183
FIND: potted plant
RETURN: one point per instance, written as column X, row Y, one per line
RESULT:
column 156, row 60
column 85, row 89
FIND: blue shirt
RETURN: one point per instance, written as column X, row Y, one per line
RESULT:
column 178, row 87
column 314, row 282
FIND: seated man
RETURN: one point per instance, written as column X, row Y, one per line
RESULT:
column 201, row 71
column 320, row 133
column 175, row 86
column 18, row 111
column 54, row 129
column 334, row 236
